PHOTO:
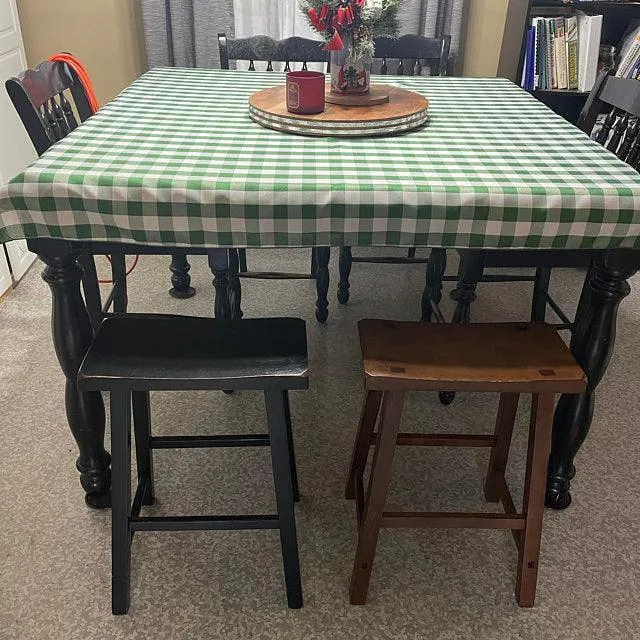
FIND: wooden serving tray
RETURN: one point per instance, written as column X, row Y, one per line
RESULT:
column 405, row 111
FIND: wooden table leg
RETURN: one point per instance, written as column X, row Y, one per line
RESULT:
column 72, row 335
column 235, row 286
column 180, row 278
column 436, row 267
column 471, row 271
column 219, row 265
column 322, row 283
column 345, row 263
column 592, row 345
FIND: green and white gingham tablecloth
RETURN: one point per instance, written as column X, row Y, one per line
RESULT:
column 176, row 161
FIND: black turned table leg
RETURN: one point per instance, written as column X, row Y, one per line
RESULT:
column 471, row 269
column 345, row 263
column 592, row 345
column 180, row 278
column 219, row 265
column 436, row 267
column 72, row 335
column 322, row 283
column 235, row 286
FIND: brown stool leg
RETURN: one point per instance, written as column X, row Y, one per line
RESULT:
column 533, row 501
column 392, row 402
column 507, row 410
column 370, row 409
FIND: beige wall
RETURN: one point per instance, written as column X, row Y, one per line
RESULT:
column 105, row 35
column 485, row 29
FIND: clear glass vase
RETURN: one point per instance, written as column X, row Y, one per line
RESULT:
column 349, row 75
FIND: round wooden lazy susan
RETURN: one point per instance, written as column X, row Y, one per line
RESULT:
column 404, row 111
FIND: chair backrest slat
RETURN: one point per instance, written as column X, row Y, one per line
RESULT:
column 620, row 130
column 39, row 98
column 413, row 52
column 266, row 49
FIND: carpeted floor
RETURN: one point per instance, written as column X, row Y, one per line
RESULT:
column 55, row 553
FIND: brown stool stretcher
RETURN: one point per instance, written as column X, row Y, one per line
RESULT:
column 413, row 356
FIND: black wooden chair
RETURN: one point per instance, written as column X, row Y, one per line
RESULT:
column 270, row 51
column 132, row 355
column 620, row 134
column 413, row 55
column 43, row 98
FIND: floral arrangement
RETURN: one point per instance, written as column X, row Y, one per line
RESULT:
column 352, row 23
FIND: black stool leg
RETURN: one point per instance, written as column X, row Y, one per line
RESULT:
column 276, row 420
column 142, row 431
column 292, row 454
column 120, row 500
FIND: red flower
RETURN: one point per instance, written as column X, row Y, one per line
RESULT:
column 342, row 17
column 315, row 20
column 324, row 12
column 313, row 16
column 335, row 44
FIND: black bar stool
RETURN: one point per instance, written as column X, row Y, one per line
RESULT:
column 135, row 354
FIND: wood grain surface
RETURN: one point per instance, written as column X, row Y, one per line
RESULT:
column 404, row 111
column 378, row 94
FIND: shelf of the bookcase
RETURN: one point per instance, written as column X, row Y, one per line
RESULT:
column 561, row 92
column 593, row 4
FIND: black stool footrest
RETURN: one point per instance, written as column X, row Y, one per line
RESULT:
column 204, row 523
column 203, row 442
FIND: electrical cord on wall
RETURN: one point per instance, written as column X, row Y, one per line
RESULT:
column 83, row 76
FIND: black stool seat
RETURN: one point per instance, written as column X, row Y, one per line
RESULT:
column 162, row 352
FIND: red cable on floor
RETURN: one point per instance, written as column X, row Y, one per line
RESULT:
column 82, row 74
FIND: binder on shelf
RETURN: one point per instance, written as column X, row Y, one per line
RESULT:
column 589, row 32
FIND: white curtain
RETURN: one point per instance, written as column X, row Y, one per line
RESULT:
column 276, row 18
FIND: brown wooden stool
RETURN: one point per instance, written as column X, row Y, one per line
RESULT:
column 416, row 356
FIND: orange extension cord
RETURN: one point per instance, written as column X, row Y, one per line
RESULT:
column 82, row 74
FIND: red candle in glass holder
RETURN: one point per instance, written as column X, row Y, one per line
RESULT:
column 305, row 91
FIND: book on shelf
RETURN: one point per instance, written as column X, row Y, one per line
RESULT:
column 629, row 58
column 562, row 52
column 572, row 53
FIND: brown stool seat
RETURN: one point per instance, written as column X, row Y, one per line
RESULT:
column 527, row 357
column 415, row 356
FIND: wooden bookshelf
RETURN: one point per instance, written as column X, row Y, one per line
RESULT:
column 616, row 16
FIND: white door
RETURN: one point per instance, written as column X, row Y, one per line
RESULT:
column 5, row 274
column 16, row 150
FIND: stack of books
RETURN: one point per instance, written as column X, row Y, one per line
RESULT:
column 629, row 66
column 562, row 53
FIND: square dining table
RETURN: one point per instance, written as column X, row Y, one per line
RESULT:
column 175, row 162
